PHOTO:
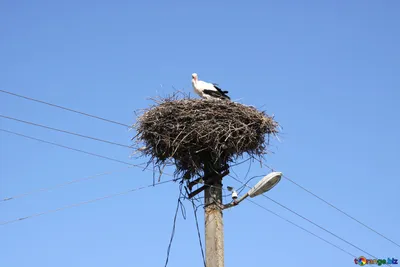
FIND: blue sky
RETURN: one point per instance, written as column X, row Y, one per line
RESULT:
column 328, row 70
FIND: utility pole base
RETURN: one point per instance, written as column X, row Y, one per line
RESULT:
column 214, row 236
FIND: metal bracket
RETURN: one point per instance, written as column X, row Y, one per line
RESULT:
column 197, row 191
column 205, row 179
column 193, row 183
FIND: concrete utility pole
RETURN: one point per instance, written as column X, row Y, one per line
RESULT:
column 214, row 226
column 213, row 206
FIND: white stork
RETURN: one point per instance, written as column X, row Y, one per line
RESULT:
column 208, row 90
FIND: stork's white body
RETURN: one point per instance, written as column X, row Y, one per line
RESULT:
column 200, row 86
column 207, row 90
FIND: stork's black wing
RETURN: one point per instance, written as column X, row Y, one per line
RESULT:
column 219, row 89
column 216, row 94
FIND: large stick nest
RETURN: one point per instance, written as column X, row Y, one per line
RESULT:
column 191, row 133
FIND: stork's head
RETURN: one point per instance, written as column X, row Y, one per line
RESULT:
column 194, row 76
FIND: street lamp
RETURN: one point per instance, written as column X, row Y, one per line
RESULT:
column 264, row 185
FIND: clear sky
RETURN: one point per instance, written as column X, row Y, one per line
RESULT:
column 328, row 70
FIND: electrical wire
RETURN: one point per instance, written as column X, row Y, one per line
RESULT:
column 336, row 208
column 179, row 204
column 239, row 163
column 61, row 185
column 64, row 108
column 240, row 189
column 302, row 228
column 6, row 199
column 125, row 125
column 85, row 202
column 64, row 131
column 198, row 231
column 74, row 149
column 308, row 220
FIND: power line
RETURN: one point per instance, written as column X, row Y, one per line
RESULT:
column 302, row 228
column 66, row 147
column 179, row 204
column 304, row 218
column 173, row 232
column 61, row 185
column 64, row 131
column 336, row 208
column 83, row 203
column 68, row 109
column 74, row 149
column 198, row 231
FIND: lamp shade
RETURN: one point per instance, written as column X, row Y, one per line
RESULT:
column 265, row 184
